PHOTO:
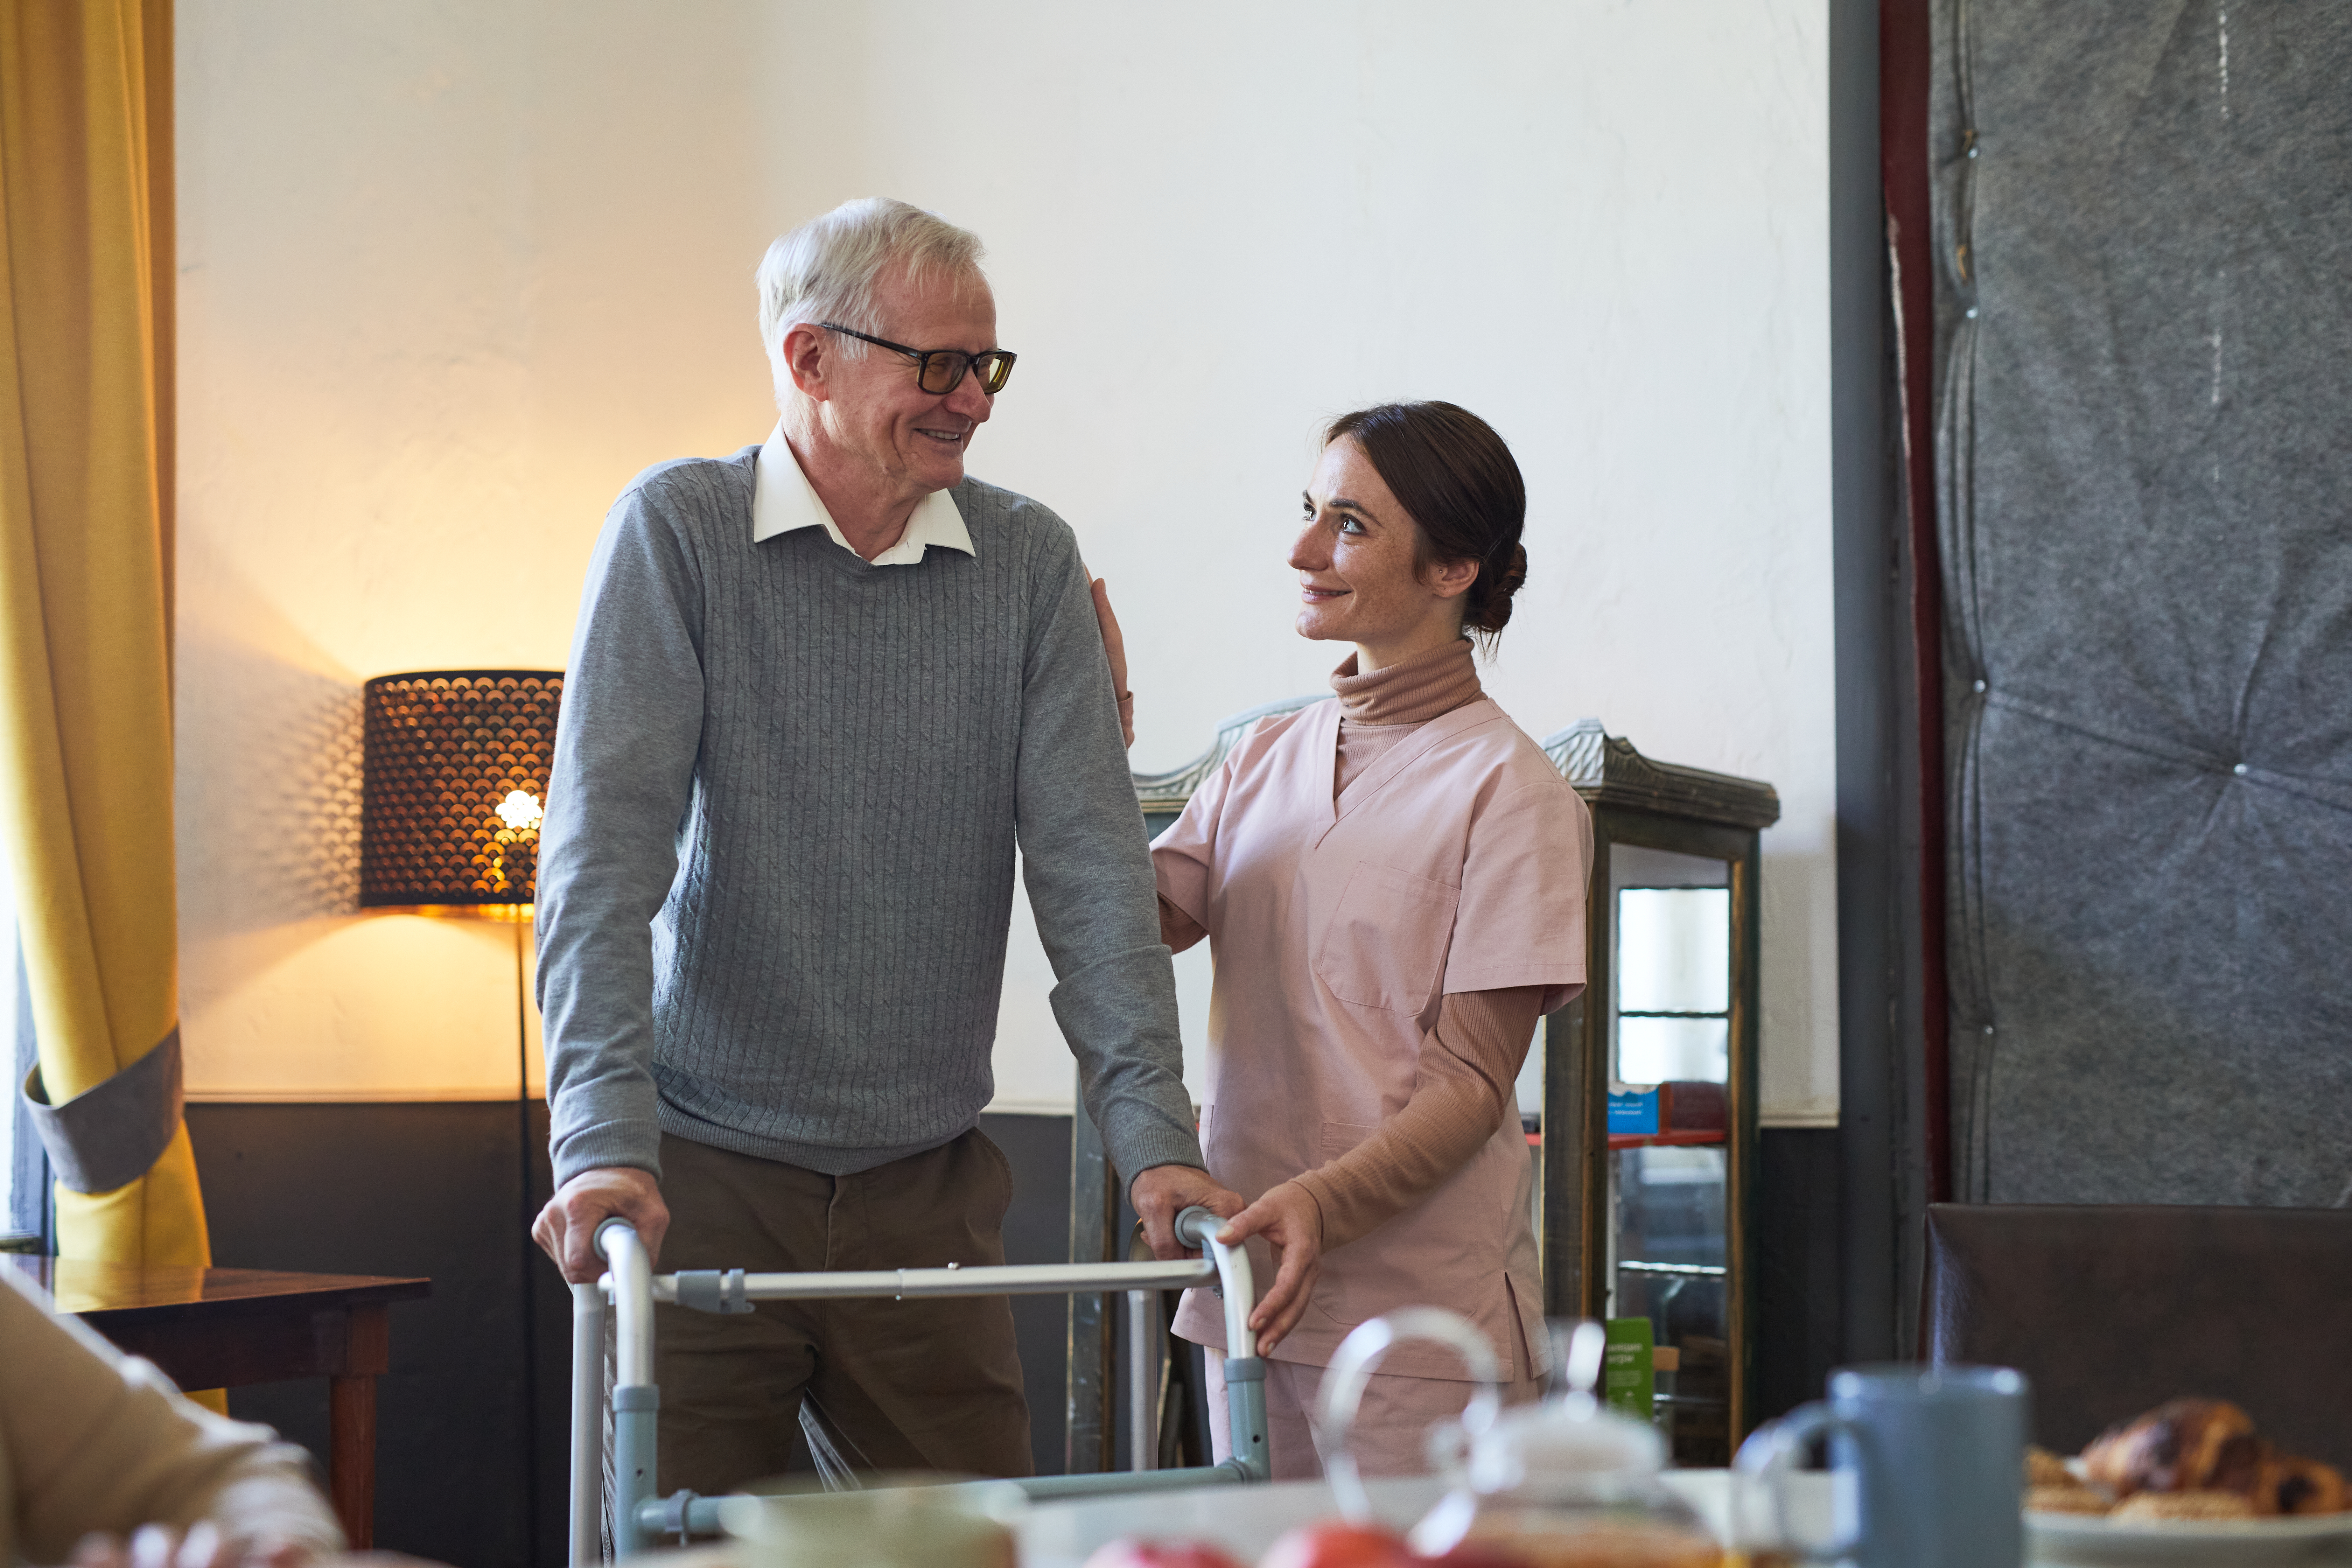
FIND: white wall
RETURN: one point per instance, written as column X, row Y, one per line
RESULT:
column 451, row 273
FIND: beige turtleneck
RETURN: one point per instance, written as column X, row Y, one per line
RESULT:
column 1379, row 710
column 1463, row 1088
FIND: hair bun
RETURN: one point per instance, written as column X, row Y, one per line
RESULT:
column 1494, row 608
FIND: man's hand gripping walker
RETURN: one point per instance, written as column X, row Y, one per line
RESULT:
column 631, row 1287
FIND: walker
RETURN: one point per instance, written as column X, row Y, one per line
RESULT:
column 630, row 1288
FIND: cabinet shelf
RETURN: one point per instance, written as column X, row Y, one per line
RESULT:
column 1665, row 1140
column 1684, row 1139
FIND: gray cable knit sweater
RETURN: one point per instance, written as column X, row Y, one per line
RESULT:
column 775, row 879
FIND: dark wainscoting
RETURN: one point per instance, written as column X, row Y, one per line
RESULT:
column 1799, row 1331
column 471, row 1433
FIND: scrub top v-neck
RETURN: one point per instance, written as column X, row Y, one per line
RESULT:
column 1456, row 863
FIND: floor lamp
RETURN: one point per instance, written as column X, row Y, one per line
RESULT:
column 454, row 786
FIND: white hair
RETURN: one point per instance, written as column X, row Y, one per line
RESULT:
column 826, row 269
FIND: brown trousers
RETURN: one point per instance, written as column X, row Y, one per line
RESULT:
column 926, row 1384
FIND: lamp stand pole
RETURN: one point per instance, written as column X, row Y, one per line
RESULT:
column 521, row 919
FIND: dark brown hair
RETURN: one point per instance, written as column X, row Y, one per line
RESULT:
column 1453, row 474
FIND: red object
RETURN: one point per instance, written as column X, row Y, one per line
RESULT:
column 1338, row 1546
column 1661, row 1139
column 1159, row 1554
column 1694, row 1106
column 1905, row 56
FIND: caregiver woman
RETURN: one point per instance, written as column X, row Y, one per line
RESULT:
column 1392, row 882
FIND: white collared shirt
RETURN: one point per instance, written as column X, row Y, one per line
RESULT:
column 782, row 500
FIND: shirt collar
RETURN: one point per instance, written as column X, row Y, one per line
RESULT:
column 782, row 500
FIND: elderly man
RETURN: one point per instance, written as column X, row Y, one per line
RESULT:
column 818, row 691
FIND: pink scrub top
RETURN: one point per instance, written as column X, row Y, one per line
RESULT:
column 1456, row 862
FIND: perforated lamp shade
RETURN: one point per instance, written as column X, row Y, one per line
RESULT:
column 455, row 782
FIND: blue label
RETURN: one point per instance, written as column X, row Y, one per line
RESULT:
column 1633, row 1110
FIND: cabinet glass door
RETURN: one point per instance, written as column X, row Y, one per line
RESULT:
column 1668, row 1043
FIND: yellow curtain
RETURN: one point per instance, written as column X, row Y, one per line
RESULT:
column 86, row 274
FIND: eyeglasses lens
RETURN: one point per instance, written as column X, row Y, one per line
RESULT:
column 941, row 373
column 995, row 370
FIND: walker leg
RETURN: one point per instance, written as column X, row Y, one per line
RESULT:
column 636, row 1400
column 1142, row 1362
column 1244, row 1374
column 587, row 1425
column 635, row 1410
column 1245, row 1414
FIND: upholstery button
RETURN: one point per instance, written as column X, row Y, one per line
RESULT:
column 2238, row 769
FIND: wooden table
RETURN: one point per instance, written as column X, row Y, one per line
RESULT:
column 224, row 1328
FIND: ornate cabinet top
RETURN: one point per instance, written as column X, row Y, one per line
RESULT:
column 1607, row 771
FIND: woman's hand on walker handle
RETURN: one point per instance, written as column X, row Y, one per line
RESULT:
column 1286, row 1216
column 566, row 1228
column 1163, row 1191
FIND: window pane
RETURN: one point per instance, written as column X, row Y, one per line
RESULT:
column 1653, row 1050
column 1674, row 951
column 1670, row 1207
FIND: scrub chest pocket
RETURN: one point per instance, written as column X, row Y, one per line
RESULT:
column 1385, row 944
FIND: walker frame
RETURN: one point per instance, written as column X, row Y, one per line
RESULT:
column 629, row 1290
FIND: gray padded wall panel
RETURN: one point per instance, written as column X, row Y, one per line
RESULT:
column 2144, row 347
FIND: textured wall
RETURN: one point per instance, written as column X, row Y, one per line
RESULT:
column 2148, row 548
column 452, row 273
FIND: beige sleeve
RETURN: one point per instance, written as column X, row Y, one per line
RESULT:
column 1177, row 928
column 93, row 1440
column 1464, row 1091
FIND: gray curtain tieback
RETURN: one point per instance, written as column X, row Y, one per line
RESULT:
column 109, row 1137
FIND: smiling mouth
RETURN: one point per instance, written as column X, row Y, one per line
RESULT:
column 1315, row 595
column 948, row 437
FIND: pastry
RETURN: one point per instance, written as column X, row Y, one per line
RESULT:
column 2183, row 1458
column 2199, row 1505
column 2044, row 1469
column 2178, row 1446
column 2072, row 1498
column 2298, row 1485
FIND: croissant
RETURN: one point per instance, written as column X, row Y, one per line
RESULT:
column 2183, row 1444
column 2298, row 1485
column 2210, row 1446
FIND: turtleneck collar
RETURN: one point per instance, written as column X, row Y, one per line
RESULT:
column 1412, row 692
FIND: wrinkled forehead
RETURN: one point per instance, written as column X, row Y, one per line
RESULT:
column 935, row 300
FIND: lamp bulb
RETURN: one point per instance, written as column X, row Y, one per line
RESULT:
column 520, row 810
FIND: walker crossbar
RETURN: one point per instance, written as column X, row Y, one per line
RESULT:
column 631, row 1287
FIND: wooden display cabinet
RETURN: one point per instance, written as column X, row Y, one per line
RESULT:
column 1661, row 1223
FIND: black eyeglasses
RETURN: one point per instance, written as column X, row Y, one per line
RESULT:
column 940, row 371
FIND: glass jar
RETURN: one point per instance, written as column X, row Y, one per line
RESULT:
column 1563, row 1483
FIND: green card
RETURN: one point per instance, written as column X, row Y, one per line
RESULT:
column 1628, row 1382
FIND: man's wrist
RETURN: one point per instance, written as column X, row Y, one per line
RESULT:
column 1154, row 1171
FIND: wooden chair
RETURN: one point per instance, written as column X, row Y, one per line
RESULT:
column 2112, row 1310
